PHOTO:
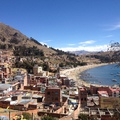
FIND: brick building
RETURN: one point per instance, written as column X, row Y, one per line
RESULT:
column 113, row 92
column 82, row 94
column 53, row 95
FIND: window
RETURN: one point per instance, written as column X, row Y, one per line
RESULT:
column 56, row 98
column 56, row 93
column 48, row 99
column 48, row 93
column 82, row 93
column 52, row 98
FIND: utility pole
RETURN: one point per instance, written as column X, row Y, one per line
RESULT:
column 9, row 114
column 32, row 117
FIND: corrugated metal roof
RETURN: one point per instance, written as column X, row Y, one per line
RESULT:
column 24, row 101
column 4, row 86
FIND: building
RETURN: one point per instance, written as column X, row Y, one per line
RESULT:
column 73, row 92
column 5, row 88
column 53, row 95
column 94, row 89
column 112, row 92
column 82, row 94
column 34, row 80
column 5, row 71
column 66, row 82
column 62, row 78
column 115, row 92
column 109, row 102
column 37, row 71
column 103, row 93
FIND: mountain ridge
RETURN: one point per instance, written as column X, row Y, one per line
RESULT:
column 82, row 52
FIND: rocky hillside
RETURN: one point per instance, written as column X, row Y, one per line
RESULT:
column 10, row 37
column 30, row 51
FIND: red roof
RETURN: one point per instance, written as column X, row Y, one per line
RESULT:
column 102, row 92
column 82, row 89
column 115, row 90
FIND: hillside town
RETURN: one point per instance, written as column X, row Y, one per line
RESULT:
column 53, row 94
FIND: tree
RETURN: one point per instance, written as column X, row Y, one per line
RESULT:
column 83, row 116
column 27, row 116
column 116, row 115
column 114, row 49
column 45, row 67
column 93, row 118
column 86, row 117
column 48, row 118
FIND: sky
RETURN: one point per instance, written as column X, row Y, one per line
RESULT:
column 68, row 25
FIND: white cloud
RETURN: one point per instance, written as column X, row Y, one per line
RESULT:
column 45, row 42
column 114, row 27
column 108, row 36
column 87, row 48
column 87, row 42
column 71, row 44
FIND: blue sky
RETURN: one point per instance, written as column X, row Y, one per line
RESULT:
column 65, row 24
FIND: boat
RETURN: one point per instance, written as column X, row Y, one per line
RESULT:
column 114, row 80
column 118, row 74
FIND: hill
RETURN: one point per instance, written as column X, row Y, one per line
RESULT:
column 10, row 37
column 28, row 51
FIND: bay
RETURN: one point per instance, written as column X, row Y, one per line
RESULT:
column 103, row 75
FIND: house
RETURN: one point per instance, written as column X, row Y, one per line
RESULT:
column 37, row 71
column 73, row 92
column 34, row 80
column 82, row 94
column 53, row 95
column 103, row 93
column 62, row 77
column 5, row 71
column 115, row 92
column 109, row 102
column 5, row 88
column 95, row 89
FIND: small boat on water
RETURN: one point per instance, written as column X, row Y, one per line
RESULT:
column 118, row 74
column 114, row 80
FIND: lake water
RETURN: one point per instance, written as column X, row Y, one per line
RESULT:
column 103, row 75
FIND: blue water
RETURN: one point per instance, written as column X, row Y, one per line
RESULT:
column 102, row 75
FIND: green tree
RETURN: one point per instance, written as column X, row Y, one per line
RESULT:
column 27, row 116
column 83, row 116
column 45, row 67
column 48, row 118
column 92, row 118
column 116, row 115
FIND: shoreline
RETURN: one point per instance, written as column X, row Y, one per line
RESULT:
column 74, row 73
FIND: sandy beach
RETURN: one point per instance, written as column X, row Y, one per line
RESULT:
column 74, row 73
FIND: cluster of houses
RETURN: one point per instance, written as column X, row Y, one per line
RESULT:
column 54, row 94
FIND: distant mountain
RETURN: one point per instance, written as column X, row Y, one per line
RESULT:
column 10, row 37
column 81, row 52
